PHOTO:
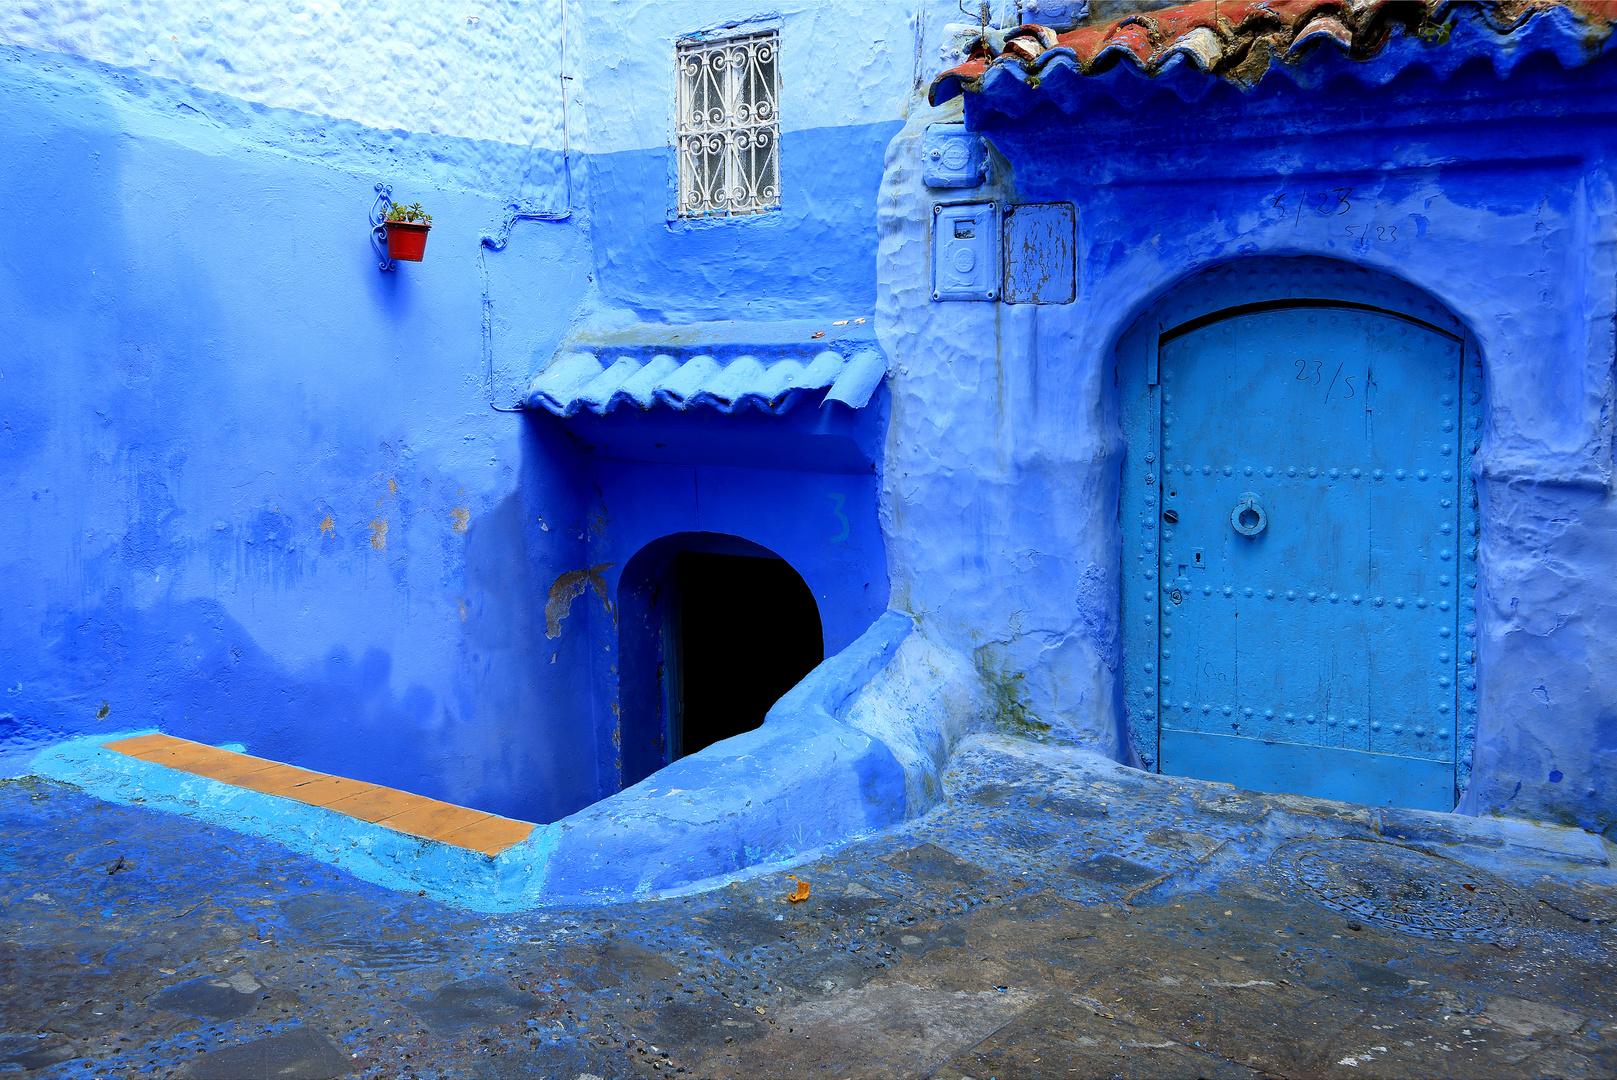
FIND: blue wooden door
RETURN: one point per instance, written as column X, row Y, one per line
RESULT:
column 1310, row 516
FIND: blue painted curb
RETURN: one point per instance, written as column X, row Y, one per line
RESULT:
column 801, row 783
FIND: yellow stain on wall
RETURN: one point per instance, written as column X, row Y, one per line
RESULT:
column 463, row 517
column 379, row 534
column 327, row 526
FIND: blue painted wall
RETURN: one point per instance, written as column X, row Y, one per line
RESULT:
column 1500, row 189
column 797, row 262
column 257, row 489
column 259, row 492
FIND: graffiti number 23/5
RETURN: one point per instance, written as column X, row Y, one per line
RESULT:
column 1313, row 373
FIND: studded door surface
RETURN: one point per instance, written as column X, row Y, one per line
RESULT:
column 1309, row 495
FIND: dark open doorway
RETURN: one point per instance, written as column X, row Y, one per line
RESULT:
column 713, row 629
column 748, row 630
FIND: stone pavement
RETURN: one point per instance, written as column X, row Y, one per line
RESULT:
column 1058, row 916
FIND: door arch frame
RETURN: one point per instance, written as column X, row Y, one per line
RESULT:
column 648, row 690
column 1239, row 287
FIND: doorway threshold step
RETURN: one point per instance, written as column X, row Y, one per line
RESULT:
column 402, row 811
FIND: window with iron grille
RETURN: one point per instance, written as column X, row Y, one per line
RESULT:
column 727, row 127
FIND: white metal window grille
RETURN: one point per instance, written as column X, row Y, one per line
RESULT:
column 727, row 128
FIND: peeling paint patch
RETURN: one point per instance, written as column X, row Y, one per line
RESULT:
column 379, row 534
column 462, row 516
column 328, row 526
column 570, row 586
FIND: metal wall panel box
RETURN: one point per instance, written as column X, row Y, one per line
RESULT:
column 1055, row 14
column 952, row 157
column 965, row 251
column 1041, row 243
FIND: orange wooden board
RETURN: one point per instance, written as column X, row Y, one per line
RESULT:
column 416, row 815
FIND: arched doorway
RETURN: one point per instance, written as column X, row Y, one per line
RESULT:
column 714, row 630
column 1300, row 568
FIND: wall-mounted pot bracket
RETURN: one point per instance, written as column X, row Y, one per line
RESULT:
column 379, row 209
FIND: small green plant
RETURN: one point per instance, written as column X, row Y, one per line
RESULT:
column 413, row 212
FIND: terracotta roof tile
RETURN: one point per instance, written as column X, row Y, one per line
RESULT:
column 1241, row 40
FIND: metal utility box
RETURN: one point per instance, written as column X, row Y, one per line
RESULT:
column 1040, row 245
column 965, row 251
column 952, row 157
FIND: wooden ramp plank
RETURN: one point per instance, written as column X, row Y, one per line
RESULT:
column 416, row 815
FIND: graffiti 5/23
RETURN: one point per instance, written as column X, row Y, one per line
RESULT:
column 1294, row 204
column 1385, row 233
column 1331, row 203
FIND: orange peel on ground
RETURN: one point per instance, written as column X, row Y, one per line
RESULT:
column 799, row 894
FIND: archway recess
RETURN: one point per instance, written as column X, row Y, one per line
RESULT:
column 713, row 630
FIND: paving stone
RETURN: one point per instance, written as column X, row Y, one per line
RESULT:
column 212, row 998
column 137, row 745
column 739, row 928
column 854, row 899
column 708, row 1024
column 1058, row 1039
column 327, row 790
column 376, row 804
column 825, row 973
column 918, row 941
column 31, row 1052
column 1110, row 870
column 275, row 779
column 472, row 1003
column 616, row 962
column 931, row 861
column 881, row 1032
column 300, row 1054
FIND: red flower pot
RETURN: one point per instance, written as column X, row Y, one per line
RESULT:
column 406, row 240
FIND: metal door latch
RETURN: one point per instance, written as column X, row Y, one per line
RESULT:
column 1248, row 516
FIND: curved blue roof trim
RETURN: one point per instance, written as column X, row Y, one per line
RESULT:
column 1056, row 78
column 859, row 380
column 577, row 381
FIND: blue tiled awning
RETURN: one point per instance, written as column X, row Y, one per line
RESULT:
column 769, row 367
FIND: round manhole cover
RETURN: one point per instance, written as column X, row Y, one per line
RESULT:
column 1404, row 890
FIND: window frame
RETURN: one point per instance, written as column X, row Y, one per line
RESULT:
column 756, row 197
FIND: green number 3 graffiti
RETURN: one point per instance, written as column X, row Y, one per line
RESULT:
column 837, row 510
